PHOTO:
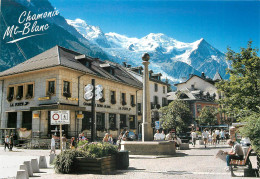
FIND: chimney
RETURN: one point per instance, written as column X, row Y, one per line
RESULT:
column 203, row 75
column 128, row 66
column 124, row 64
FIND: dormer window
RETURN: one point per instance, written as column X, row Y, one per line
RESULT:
column 88, row 64
column 109, row 68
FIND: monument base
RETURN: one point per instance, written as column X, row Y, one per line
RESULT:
column 149, row 147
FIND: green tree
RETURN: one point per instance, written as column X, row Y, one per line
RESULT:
column 252, row 130
column 208, row 115
column 176, row 115
column 169, row 89
column 242, row 91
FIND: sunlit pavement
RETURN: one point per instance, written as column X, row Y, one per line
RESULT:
column 198, row 162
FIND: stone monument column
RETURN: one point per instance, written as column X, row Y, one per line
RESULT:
column 147, row 131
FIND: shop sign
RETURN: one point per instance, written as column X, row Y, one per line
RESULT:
column 124, row 108
column 44, row 98
column 89, row 92
column 97, row 105
column 60, row 117
column 19, row 104
column 157, row 125
column 73, row 99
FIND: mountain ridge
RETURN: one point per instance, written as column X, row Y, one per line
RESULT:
column 165, row 51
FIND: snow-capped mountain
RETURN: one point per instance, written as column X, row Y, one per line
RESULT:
column 174, row 59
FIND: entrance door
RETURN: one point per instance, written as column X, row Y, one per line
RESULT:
column 12, row 120
column 86, row 121
column 27, row 120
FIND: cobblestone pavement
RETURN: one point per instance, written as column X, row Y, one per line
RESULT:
column 196, row 163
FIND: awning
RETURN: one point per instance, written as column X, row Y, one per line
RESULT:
column 57, row 107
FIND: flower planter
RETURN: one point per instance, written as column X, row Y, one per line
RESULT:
column 104, row 165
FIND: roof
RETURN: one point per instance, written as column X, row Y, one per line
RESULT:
column 56, row 56
column 60, row 56
column 193, row 75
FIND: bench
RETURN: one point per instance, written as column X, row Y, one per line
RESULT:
column 246, row 162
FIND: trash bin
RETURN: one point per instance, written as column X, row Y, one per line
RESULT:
column 123, row 160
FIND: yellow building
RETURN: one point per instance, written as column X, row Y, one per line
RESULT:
column 55, row 80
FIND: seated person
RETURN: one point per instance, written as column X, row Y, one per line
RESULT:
column 169, row 136
column 177, row 141
column 157, row 135
column 236, row 153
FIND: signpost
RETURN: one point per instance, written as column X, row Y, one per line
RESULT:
column 157, row 125
column 59, row 118
column 93, row 93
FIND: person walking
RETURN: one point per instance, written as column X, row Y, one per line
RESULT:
column 205, row 136
column 210, row 138
column 119, row 139
column 53, row 144
column 193, row 138
column 217, row 132
column 11, row 142
column 214, row 138
column 64, row 141
column 222, row 136
column 6, row 142
column 236, row 153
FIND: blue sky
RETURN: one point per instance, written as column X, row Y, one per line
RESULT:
column 222, row 23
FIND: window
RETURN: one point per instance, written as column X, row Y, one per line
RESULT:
column 88, row 64
column 155, row 87
column 164, row 101
column 122, row 121
column 132, row 121
column 123, row 99
column 113, row 97
column 66, row 89
column 163, row 89
column 132, row 99
column 139, row 108
column 19, row 92
column 102, row 100
column 29, row 93
column 10, row 94
column 51, row 87
column 100, row 121
column 155, row 100
column 112, row 122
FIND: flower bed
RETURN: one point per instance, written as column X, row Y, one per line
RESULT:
column 96, row 158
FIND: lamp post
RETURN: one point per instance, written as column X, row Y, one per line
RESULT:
column 147, row 131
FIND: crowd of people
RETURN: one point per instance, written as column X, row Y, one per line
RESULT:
column 214, row 137
column 72, row 143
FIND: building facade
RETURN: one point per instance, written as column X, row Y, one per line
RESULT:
column 55, row 80
column 199, row 92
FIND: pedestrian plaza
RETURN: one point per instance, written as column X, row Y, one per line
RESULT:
column 197, row 162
